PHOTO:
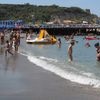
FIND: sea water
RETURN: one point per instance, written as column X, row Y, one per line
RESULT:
column 84, row 69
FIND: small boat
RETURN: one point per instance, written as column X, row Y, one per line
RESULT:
column 43, row 38
column 91, row 38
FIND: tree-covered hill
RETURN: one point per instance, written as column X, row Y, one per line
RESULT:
column 30, row 13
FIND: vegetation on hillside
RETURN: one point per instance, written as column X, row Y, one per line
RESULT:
column 31, row 13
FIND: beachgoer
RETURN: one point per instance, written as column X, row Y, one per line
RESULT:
column 59, row 43
column 15, row 44
column 70, row 51
column 87, row 44
column 2, row 38
column 28, row 36
column 97, row 46
column 67, row 38
column 7, row 48
column 18, row 37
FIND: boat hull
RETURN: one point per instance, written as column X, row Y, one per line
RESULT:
column 40, row 42
column 89, row 38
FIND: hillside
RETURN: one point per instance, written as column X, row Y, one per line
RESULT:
column 30, row 13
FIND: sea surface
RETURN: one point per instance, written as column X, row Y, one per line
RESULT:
column 83, row 70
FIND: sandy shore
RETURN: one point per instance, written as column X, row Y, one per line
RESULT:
column 22, row 80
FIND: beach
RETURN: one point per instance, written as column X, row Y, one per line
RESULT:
column 49, row 51
column 23, row 80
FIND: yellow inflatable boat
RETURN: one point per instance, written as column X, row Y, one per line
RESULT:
column 43, row 38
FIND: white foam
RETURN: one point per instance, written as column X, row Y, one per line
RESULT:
column 82, row 79
column 22, row 54
column 48, row 59
column 88, row 74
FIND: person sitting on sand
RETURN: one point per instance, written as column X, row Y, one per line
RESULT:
column 97, row 46
column 70, row 51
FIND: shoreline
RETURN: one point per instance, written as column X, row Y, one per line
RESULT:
column 21, row 79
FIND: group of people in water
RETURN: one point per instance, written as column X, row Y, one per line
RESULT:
column 72, row 41
column 10, row 44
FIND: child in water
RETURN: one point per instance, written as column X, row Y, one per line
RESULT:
column 7, row 48
column 59, row 43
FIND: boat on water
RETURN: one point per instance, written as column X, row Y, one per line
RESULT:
column 91, row 38
column 43, row 38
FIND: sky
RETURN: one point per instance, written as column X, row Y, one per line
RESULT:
column 93, row 5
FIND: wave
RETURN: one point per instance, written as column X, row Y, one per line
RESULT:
column 83, row 78
column 64, row 74
column 48, row 59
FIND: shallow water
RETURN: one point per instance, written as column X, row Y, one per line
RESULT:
column 84, row 69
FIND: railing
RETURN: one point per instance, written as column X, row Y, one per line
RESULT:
column 54, row 26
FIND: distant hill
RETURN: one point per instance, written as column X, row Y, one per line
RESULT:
column 30, row 13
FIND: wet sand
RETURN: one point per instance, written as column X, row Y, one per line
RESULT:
column 22, row 80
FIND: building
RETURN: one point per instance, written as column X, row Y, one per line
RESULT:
column 11, row 23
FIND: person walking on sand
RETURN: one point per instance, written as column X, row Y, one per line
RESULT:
column 7, row 48
column 70, row 51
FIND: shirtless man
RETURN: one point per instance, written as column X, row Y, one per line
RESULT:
column 70, row 51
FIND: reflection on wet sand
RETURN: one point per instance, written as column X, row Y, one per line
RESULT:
column 9, row 62
column 1, row 50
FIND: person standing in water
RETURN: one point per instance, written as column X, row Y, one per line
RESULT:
column 97, row 46
column 2, row 37
column 70, row 51
column 59, row 43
